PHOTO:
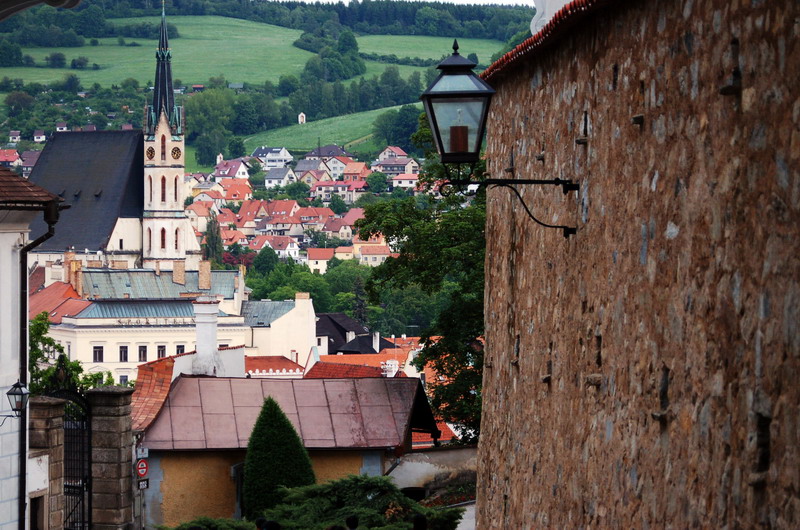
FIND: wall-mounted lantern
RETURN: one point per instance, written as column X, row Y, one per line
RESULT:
column 18, row 398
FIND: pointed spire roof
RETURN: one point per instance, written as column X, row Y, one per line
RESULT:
column 163, row 95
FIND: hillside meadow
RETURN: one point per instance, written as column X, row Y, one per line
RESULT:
column 241, row 50
column 341, row 130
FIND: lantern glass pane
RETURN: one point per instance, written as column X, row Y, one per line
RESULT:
column 456, row 83
column 458, row 122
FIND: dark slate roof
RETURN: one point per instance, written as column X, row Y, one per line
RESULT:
column 363, row 344
column 219, row 412
column 335, row 326
column 328, row 151
column 262, row 313
column 100, row 176
column 264, row 150
column 145, row 284
column 307, row 165
column 277, row 173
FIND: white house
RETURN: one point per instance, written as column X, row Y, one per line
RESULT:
column 20, row 202
column 273, row 157
column 279, row 176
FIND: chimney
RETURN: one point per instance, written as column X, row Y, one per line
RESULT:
column 76, row 276
column 204, row 276
column 179, row 272
column 302, row 296
column 158, row 268
column 376, row 341
column 350, row 335
column 206, row 360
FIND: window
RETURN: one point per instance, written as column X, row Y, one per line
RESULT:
column 223, row 345
column 97, row 354
column 319, row 341
column 163, row 238
column 142, row 354
column 162, row 351
column 180, row 348
column 163, row 189
column 150, row 188
column 121, row 246
column 123, row 380
column 175, row 189
column 176, row 239
column 163, row 148
column 149, row 240
column 123, row 354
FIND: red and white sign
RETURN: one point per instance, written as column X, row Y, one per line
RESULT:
column 141, row 468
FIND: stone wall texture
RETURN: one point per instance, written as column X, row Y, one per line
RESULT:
column 643, row 373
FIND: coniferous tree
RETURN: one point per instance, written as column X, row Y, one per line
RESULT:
column 275, row 457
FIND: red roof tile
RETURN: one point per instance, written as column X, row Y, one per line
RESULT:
column 324, row 370
column 57, row 300
column 320, row 253
column 152, row 388
column 265, row 363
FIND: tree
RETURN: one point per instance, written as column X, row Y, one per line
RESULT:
column 213, row 244
column 338, row 206
column 209, row 144
column 297, row 190
column 18, row 101
column 236, row 148
column 79, row 63
column 56, row 60
column 10, row 53
column 266, row 261
column 275, row 458
column 377, row 182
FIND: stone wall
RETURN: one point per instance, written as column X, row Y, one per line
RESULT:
column 643, row 372
column 46, row 433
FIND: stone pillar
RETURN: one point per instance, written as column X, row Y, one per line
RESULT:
column 46, row 431
column 112, row 453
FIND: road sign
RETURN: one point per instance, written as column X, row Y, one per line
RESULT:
column 141, row 468
column 142, row 452
column 143, row 483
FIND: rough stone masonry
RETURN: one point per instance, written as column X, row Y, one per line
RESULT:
column 644, row 372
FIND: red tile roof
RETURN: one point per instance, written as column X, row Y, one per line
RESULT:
column 375, row 250
column 353, row 215
column 152, row 388
column 36, row 279
column 265, row 363
column 320, row 253
column 9, row 155
column 57, row 300
column 369, row 359
column 562, row 21
column 325, row 370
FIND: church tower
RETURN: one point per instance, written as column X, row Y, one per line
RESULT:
column 167, row 235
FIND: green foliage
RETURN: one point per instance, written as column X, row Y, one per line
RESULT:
column 207, row 523
column 297, row 190
column 377, row 182
column 236, row 148
column 56, row 60
column 397, row 127
column 275, row 458
column 266, row 261
column 338, row 206
column 374, row 500
column 213, row 247
column 10, row 53
column 50, row 369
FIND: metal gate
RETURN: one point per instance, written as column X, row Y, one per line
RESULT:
column 77, row 461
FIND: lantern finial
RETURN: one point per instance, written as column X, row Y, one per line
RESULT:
column 455, row 46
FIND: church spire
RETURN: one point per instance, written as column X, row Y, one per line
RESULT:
column 163, row 95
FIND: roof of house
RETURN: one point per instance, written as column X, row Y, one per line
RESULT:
column 396, row 150
column 353, row 215
column 270, row 363
column 320, row 253
column 281, row 206
column 101, row 188
column 325, row 370
column 357, row 185
column 264, row 151
column 343, row 159
column 313, row 211
column 307, row 165
column 355, row 167
column 406, row 176
column 369, row 359
column 278, row 242
column 557, row 26
column 333, row 225
column 335, row 326
column 362, row 344
column 9, row 155
column 328, row 151
column 16, row 192
column 375, row 250
column 262, row 313
column 397, row 161
column 278, row 173
column 139, row 309
column 58, row 300
column 219, row 413
column 146, row 284
column 201, row 208
column 153, row 381
column 29, row 158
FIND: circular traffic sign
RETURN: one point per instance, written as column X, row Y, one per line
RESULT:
column 141, row 468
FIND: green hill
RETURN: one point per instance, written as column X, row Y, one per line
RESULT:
column 341, row 130
column 241, row 50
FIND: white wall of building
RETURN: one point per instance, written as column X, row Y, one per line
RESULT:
column 296, row 330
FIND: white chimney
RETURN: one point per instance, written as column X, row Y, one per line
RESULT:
column 206, row 360
column 350, row 335
column 376, row 342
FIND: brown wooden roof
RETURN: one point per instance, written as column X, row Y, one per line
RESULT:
column 18, row 193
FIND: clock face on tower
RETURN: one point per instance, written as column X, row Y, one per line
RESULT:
column 176, row 153
column 151, row 153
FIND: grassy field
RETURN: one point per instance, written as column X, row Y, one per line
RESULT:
column 241, row 50
column 427, row 47
column 340, row 131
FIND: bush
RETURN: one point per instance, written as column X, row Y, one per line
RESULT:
column 275, row 458
column 208, row 523
column 374, row 500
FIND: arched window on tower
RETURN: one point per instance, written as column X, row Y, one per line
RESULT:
column 150, row 187
column 149, row 240
column 163, row 189
column 177, row 233
column 163, row 239
column 163, row 148
column 175, row 189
